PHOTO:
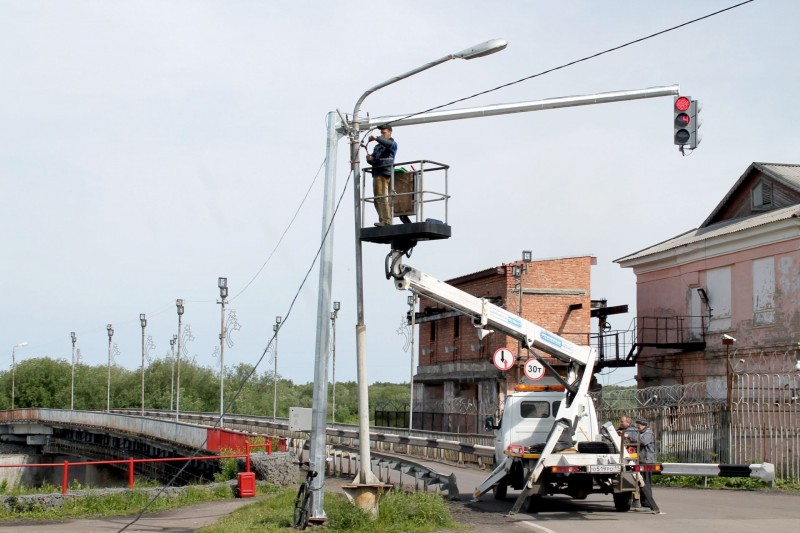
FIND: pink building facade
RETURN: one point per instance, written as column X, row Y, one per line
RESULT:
column 737, row 276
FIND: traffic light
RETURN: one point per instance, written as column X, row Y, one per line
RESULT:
column 682, row 120
column 694, row 124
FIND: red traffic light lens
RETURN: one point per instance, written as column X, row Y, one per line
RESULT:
column 682, row 103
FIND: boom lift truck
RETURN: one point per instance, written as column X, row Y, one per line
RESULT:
column 547, row 471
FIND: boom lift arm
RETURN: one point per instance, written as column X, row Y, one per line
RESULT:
column 488, row 317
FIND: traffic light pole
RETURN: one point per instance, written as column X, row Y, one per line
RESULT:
column 337, row 130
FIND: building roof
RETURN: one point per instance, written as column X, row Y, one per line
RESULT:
column 785, row 173
column 726, row 227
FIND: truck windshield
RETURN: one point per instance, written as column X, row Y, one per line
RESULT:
column 535, row 409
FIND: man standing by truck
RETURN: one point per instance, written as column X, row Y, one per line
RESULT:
column 647, row 456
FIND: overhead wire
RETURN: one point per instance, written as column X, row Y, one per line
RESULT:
column 244, row 381
column 575, row 62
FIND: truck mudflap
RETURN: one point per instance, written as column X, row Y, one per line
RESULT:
column 497, row 474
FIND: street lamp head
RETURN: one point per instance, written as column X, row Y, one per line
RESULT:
column 110, row 331
column 172, row 341
column 527, row 256
column 23, row 343
column 337, row 306
column 277, row 320
column 483, row 49
column 222, row 283
column 73, row 337
column 516, row 271
column 411, row 300
column 143, row 320
column 179, row 305
column 275, row 328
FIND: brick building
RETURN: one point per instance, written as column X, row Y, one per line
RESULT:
column 456, row 383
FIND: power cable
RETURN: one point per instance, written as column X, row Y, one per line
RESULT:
column 575, row 62
column 260, row 359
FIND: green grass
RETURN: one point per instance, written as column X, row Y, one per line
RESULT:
column 117, row 504
column 737, row 483
column 399, row 511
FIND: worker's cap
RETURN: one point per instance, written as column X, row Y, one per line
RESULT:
column 642, row 421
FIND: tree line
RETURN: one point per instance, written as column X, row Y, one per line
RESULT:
column 46, row 383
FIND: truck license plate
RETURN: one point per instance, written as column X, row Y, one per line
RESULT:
column 604, row 469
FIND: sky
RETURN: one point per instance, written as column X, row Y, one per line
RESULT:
column 148, row 148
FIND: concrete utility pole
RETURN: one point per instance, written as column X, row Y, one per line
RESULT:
column 352, row 129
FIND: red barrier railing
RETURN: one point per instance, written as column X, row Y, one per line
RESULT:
column 282, row 446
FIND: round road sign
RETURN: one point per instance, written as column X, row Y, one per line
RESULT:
column 534, row 369
column 503, row 359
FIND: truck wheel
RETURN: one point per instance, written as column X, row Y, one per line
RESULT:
column 622, row 501
column 593, row 446
column 534, row 503
column 500, row 491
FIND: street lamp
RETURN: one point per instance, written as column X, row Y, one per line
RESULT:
column 276, row 327
column 143, row 322
column 72, row 386
column 110, row 331
column 14, row 367
column 334, row 316
column 179, row 305
column 412, row 304
column 518, row 271
column 365, row 474
column 727, row 340
column 172, row 360
column 222, row 283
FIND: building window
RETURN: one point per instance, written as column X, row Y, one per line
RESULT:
column 718, row 282
column 761, row 196
column 764, row 291
column 456, row 326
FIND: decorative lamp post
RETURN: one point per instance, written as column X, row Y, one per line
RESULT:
column 276, row 327
column 14, row 367
column 412, row 304
column 334, row 316
column 110, row 331
column 172, row 381
column 143, row 322
column 72, row 386
column 179, row 305
column 222, row 283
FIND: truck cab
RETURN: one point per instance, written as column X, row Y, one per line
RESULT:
column 529, row 414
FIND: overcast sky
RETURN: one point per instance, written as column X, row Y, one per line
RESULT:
column 147, row 148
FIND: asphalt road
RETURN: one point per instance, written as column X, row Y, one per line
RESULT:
column 703, row 510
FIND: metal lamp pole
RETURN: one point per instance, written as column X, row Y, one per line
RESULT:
column 334, row 316
column 276, row 327
column 412, row 304
column 14, row 367
column 517, row 271
column 110, row 331
column 365, row 475
column 179, row 305
column 143, row 322
column 222, row 283
column 172, row 360
column 72, row 386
